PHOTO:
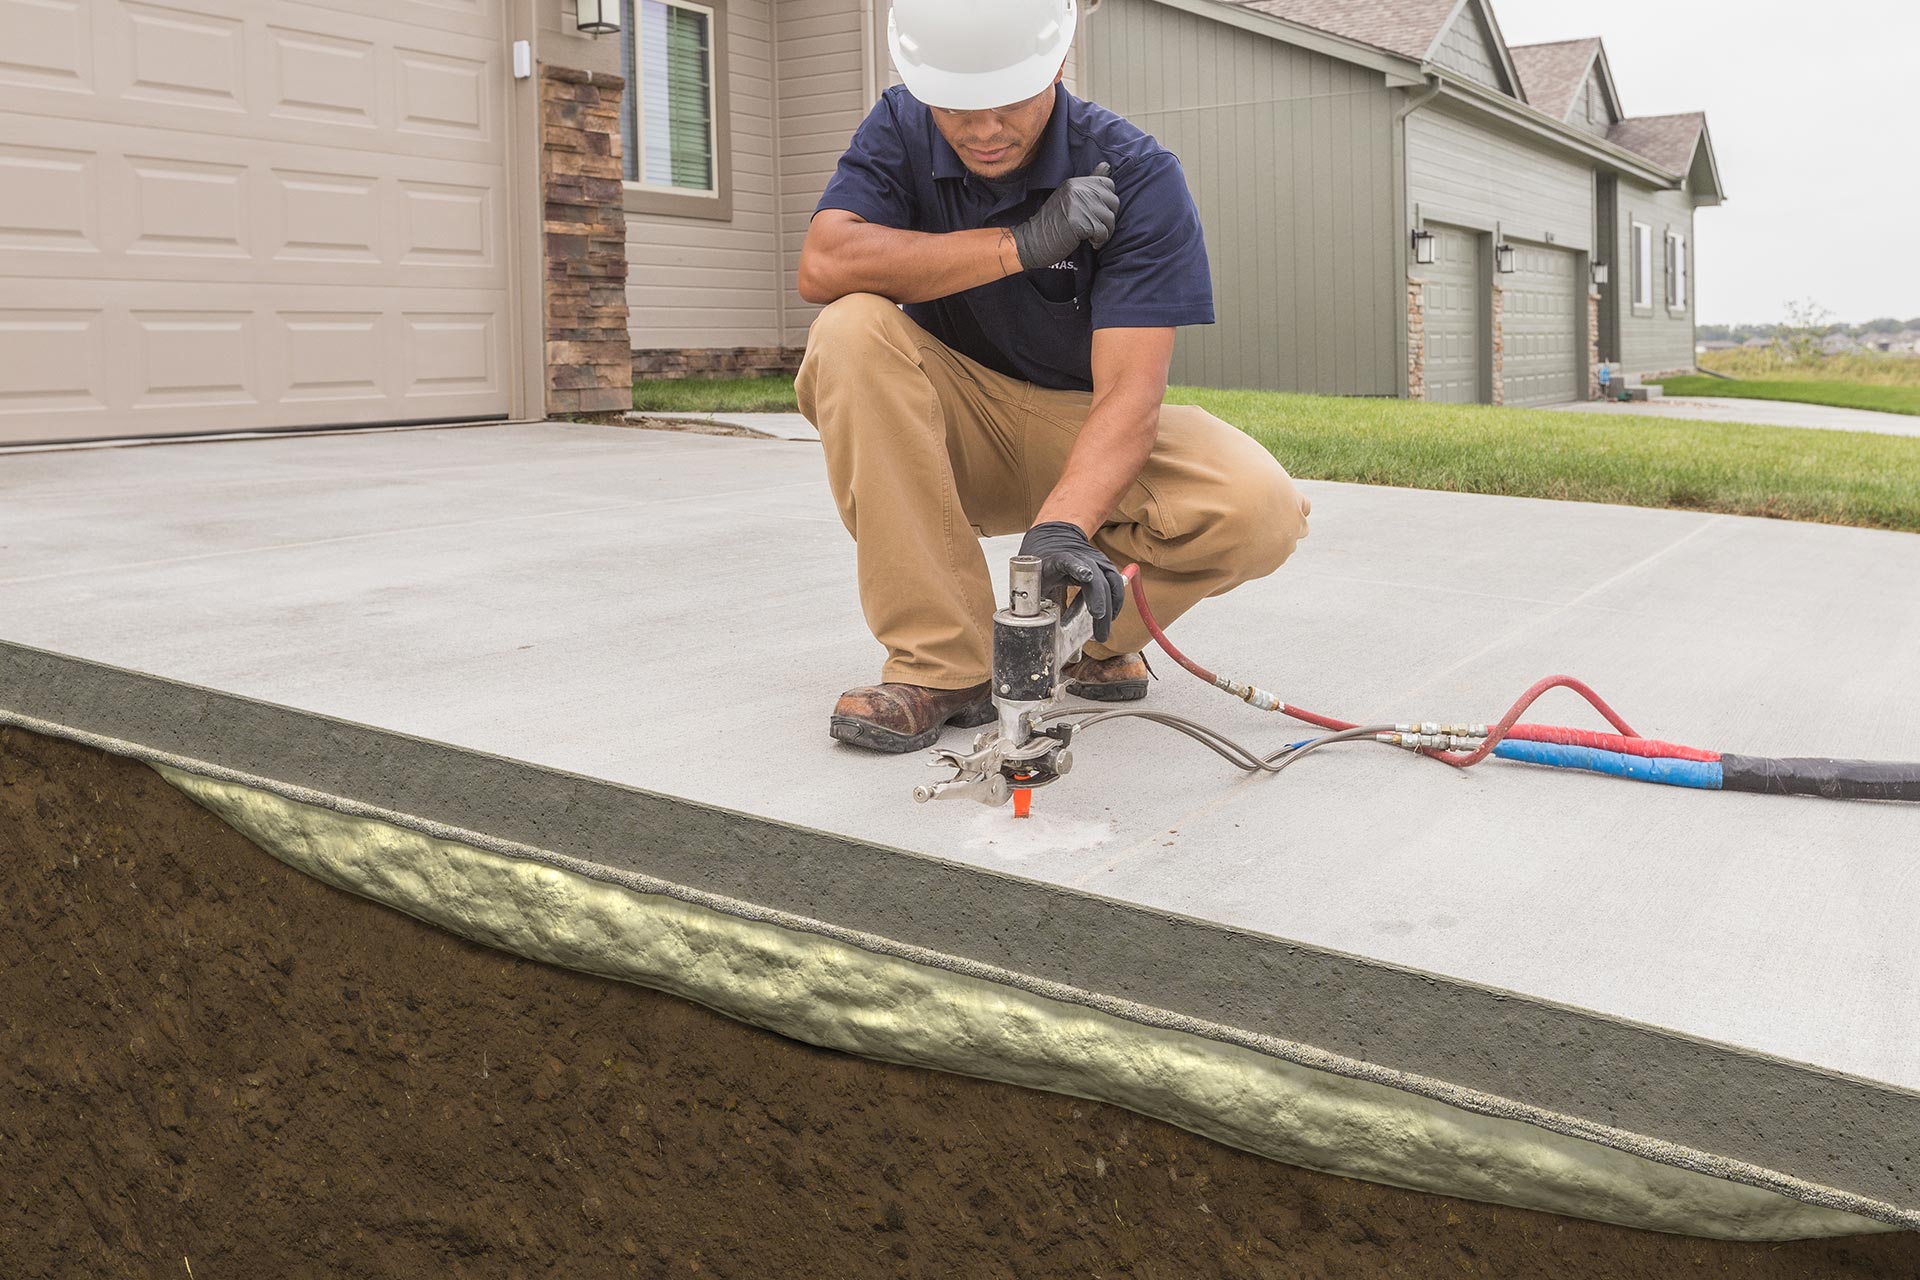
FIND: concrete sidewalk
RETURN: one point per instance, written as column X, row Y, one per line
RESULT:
column 676, row 613
column 1773, row 413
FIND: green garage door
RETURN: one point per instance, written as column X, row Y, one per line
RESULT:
column 1542, row 317
column 1456, row 317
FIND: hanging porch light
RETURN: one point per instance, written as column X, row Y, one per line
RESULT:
column 598, row 17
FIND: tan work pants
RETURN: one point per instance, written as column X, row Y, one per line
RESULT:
column 928, row 450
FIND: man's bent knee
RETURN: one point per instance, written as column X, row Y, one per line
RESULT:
column 859, row 319
column 1269, row 519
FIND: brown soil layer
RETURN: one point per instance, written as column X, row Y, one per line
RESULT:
column 211, row 1061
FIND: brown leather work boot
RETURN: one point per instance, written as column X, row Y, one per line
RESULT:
column 897, row 718
column 1121, row 678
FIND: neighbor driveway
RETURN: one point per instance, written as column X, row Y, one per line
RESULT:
column 1774, row 413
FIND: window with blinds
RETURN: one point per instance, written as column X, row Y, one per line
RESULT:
column 668, row 128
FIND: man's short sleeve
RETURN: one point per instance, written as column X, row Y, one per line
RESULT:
column 872, row 179
column 1153, row 273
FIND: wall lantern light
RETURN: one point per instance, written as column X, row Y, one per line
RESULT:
column 1503, row 258
column 1600, row 273
column 598, row 17
column 1424, row 247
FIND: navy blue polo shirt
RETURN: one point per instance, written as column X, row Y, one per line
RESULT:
column 1038, row 325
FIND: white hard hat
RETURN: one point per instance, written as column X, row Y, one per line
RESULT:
column 969, row 55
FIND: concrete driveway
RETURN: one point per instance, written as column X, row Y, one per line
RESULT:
column 1773, row 413
column 529, row 629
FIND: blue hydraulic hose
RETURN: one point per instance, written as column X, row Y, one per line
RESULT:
column 1702, row 775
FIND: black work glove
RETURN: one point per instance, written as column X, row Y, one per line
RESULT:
column 1079, row 209
column 1066, row 557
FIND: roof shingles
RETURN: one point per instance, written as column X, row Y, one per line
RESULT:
column 1668, row 141
column 1405, row 27
column 1550, row 74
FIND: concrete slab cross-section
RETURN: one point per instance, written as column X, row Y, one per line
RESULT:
column 618, row 648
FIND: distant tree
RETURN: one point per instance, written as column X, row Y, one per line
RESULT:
column 1798, row 340
column 1884, row 324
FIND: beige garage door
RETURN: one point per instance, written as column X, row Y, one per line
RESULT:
column 221, row 214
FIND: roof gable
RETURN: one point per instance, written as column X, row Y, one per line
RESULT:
column 1461, row 35
column 1470, row 45
column 1552, row 75
column 1678, row 144
column 1668, row 141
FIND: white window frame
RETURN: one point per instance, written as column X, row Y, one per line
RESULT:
column 1642, row 266
column 638, row 100
column 1678, row 302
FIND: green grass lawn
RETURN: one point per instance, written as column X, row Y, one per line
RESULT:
column 1843, row 395
column 714, row 395
column 1835, row 477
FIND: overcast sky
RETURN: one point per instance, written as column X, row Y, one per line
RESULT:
column 1816, row 120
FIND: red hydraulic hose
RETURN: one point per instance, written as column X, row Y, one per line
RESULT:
column 1651, row 748
column 1459, row 760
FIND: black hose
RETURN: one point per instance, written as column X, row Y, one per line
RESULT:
column 1811, row 776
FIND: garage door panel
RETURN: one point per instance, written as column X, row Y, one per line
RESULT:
column 56, row 359
column 126, row 348
column 191, row 59
column 300, row 75
column 44, row 44
column 118, row 203
column 481, row 16
column 236, row 213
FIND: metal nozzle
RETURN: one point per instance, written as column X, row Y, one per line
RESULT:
column 1023, row 594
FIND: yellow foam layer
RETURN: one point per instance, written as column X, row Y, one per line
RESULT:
column 828, row 992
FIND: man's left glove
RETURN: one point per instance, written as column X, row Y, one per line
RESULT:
column 1067, row 557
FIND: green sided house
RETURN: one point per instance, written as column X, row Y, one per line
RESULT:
column 1399, row 204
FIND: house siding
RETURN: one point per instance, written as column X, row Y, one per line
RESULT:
column 1468, row 174
column 1295, row 187
column 697, row 282
column 1592, row 101
column 826, row 89
column 1655, row 340
column 1467, row 49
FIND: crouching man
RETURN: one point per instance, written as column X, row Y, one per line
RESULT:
column 1004, row 266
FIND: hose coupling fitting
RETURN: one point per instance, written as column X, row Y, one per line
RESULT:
column 1253, row 695
column 1432, row 741
column 1452, row 730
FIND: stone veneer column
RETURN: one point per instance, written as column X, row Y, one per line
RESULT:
column 589, row 352
column 1416, row 339
column 1499, row 345
column 1593, row 346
